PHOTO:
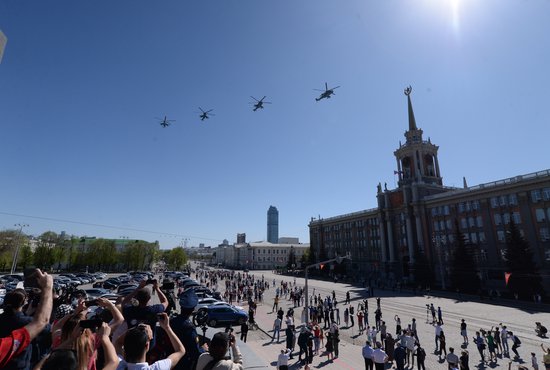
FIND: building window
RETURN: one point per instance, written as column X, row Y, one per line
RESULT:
column 436, row 226
column 467, row 206
column 473, row 238
column 471, row 222
column 494, row 202
column 546, row 193
column 516, row 217
column 500, row 236
column 540, row 214
column 535, row 196
column 463, row 223
column 502, row 200
column 479, row 221
column 544, row 234
column 482, row 237
column 460, row 207
column 512, row 199
column 475, row 205
column 434, row 211
column 483, row 254
column 498, row 219
column 506, row 218
column 449, row 225
column 446, row 210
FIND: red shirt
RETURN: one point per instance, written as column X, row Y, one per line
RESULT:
column 13, row 345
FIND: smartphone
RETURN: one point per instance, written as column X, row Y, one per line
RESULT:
column 90, row 324
column 160, row 316
column 91, row 303
column 31, row 279
column 151, row 281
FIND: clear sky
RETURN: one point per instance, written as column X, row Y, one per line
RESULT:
column 81, row 83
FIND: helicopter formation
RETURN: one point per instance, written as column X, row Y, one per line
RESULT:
column 258, row 104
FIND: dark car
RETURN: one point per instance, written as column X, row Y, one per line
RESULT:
column 221, row 315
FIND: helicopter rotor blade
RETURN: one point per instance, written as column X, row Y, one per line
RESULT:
column 335, row 87
column 326, row 86
column 262, row 99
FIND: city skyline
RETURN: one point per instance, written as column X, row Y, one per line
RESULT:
column 83, row 151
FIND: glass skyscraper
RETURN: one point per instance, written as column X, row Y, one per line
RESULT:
column 272, row 225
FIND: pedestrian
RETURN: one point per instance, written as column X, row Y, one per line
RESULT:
column 244, row 331
column 290, row 340
column 302, row 344
column 382, row 329
column 346, row 317
column 464, row 360
column 432, row 310
column 437, row 332
column 480, row 344
column 491, row 345
column 316, row 339
column 276, row 329
column 347, row 298
column 498, row 341
column 463, row 332
column 367, row 355
column 546, row 357
column 351, row 314
column 282, row 360
column 452, row 359
column 504, row 339
column 360, row 321
column 420, row 357
column 389, row 343
column 399, row 355
column 337, row 313
column 516, row 343
column 275, row 303
column 439, row 315
column 442, row 344
column 329, row 347
column 379, row 357
column 397, row 325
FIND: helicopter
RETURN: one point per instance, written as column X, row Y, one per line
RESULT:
column 259, row 103
column 326, row 93
column 166, row 122
column 205, row 114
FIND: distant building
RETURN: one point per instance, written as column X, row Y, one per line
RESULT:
column 259, row 256
column 289, row 240
column 272, row 225
column 241, row 238
column 421, row 215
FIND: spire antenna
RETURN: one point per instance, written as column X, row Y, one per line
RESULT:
column 412, row 121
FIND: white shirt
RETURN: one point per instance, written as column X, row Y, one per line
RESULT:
column 367, row 351
column 437, row 330
column 159, row 365
column 283, row 358
column 379, row 356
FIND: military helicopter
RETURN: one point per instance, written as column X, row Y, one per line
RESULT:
column 205, row 114
column 166, row 122
column 259, row 103
column 326, row 93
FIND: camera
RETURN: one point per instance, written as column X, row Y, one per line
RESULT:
column 151, row 281
column 91, row 303
column 168, row 285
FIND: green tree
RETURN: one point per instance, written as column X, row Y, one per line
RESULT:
column 58, row 256
column 423, row 270
column 43, row 258
column 25, row 256
column 104, row 251
column 525, row 279
column 177, row 258
column 464, row 274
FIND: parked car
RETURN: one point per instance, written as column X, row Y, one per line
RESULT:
column 125, row 287
column 96, row 292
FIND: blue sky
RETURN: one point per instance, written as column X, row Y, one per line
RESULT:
column 81, row 83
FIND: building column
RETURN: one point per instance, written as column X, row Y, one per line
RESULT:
column 390, row 239
column 419, row 234
column 410, row 240
column 399, row 172
column 437, row 166
column 382, row 239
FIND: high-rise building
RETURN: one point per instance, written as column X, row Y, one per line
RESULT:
column 241, row 238
column 273, row 225
column 3, row 42
column 421, row 216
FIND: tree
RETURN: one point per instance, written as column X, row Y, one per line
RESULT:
column 25, row 256
column 177, row 258
column 104, row 251
column 43, row 258
column 525, row 279
column 423, row 271
column 464, row 276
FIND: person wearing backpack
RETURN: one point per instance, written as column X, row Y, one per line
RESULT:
column 516, row 344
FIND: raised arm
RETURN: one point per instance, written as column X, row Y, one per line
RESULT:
column 179, row 349
column 111, row 359
column 162, row 298
column 42, row 316
column 129, row 297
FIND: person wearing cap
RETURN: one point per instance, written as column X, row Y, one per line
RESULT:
column 144, row 312
column 186, row 331
column 215, row 358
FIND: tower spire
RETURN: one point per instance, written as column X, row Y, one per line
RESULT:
column 412, row 121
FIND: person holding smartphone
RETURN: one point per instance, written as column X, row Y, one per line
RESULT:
column 215, row 358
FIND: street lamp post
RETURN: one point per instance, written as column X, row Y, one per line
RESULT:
column 338, row 259
column 17, row 247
